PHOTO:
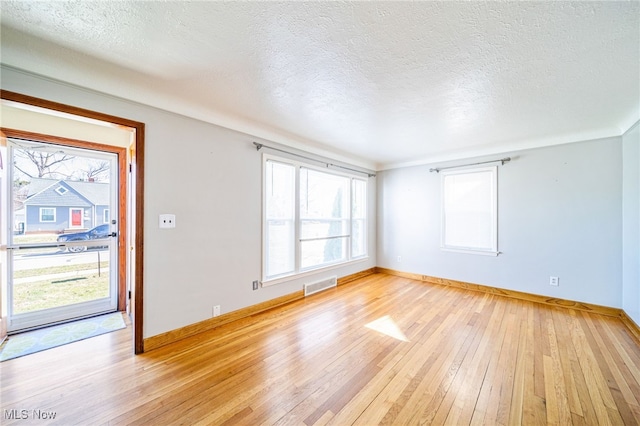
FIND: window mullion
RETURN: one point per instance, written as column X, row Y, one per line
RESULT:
column 298, row 225
column 350, row 225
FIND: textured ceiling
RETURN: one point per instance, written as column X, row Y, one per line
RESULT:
column 388, row 83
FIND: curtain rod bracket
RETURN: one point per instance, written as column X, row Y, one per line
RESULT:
column 258, row 146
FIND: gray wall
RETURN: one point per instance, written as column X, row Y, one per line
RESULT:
column 560, row 214
column 631, row 223
column 210, row 177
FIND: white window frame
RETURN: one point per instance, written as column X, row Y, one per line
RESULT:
column 365, row 218
column 492, row 250
column 298, row 270
column 47, row 208
column 61, row 190
column 105, row 216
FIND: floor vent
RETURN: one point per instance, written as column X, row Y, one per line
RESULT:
column 320, row 285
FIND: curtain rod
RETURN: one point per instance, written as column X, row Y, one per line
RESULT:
column 502, row 160
column 259, row 146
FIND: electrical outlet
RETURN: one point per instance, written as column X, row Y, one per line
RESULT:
column 555, row 281
column 255, row 285
column 167, row 221
column 216, row 311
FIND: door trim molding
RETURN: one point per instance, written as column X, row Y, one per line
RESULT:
column 137, row 297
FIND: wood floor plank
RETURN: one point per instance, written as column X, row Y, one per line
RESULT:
column 457, row 405
column 486, row 406
column 534, row 406
column 565, row 354
column 555, row 388
column 612, row 376
column 622, row 383
column 466, row 358
column 438, row 386
column 623, row 360
column 599, row 399
column 502, row 388
column 517, row 396
column 436, row 369
column 406, row 368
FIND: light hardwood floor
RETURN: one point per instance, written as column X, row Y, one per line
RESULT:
column 468, row 358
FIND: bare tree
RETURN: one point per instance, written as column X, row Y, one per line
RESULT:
column 47, row 163
column 96, row 171
column 42, row 164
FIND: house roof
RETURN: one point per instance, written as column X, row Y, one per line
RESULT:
column 37, row 185
column 79, row 194
column 96, row 192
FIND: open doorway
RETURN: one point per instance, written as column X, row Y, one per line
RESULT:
column 74, row 210
column 64, row 259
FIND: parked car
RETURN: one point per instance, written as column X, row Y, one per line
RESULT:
column 97, row 233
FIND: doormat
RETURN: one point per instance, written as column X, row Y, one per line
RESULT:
column 46, row 338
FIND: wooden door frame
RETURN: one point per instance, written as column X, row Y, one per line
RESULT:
column 137, row 296
column 122, row 192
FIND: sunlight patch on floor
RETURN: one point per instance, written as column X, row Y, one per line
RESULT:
column 386, row 325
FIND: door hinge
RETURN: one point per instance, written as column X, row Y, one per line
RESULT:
column 129, row 294
column 130, row 167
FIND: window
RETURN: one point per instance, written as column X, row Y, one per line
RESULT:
column 312, row 218
column 469, row 210
column 105, row 216
column 324, row 218
column 280, row 183
column 47, row 214
column 61, row 190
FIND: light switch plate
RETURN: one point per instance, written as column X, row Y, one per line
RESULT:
column 167, row 221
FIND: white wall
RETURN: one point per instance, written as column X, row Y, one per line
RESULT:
column 631, row 223
column 210, row 177
column 560, row 214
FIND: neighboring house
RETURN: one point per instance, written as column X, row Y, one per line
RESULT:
column 58, row 205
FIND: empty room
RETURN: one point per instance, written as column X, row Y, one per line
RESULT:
column 320, row 213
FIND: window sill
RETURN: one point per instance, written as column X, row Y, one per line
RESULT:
column 310, row 272
column 468, row 251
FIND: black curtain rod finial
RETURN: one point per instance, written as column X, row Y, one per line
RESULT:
column 258, row 146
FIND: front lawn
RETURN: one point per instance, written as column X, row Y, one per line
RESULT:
column 45, row 294
column 24, row 273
